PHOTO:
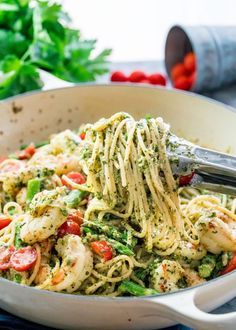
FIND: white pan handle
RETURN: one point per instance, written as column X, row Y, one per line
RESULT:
column 183, row 307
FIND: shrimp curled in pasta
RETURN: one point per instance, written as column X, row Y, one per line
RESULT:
column 76, row 266
column 46, row 214
column 166, row 275
column 217, row 234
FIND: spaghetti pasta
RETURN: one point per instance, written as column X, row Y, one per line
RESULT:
column 110, row 218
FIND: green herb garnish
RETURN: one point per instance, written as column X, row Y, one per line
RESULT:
column 37, row 35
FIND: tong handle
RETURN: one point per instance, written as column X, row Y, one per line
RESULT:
column 212, row 170
column 214, row 183
column 213, row 162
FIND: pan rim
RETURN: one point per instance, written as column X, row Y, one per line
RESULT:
column 107, row 299
column 121, row 85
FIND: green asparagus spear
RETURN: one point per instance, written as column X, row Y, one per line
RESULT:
column 110, row 231
column 142, row 273
column 18, row 243
column 135, row 289
column 33, row 187
column 37, row 145
column 121, row 248
column 75, row 197
column 90, row 234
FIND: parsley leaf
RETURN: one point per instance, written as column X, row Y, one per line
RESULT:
column 12, row 43
column 17, row 77
column 37, row 35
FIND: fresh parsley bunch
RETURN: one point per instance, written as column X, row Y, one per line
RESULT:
column 35, row 34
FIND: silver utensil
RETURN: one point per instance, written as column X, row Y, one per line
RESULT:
column 202, row 168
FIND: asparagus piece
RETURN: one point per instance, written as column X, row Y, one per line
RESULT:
column 90, row 234
column 110, row 231
column 121, row 248
column 74, row 198
column 33, row 187
column 18, row 243
column 135, row 289
column 37, row 145
column 207, row 266
column 142, row 273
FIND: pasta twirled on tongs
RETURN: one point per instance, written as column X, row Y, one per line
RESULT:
column 99, row 211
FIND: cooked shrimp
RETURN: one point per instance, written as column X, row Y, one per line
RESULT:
column 46, row 248
column 218, row 233
column 13, row 181
column 166, row 275
column 192, row 277
column 190, row 251
column 62, row 153
column 46, row 214
column 66, row 141
column 44, row 268
column 76, row 266
column 61, row 163
column 43, row 273
column 21, row 196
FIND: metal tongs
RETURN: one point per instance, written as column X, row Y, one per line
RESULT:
column 203, row 168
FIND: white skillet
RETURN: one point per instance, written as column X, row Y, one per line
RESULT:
column 33, row 117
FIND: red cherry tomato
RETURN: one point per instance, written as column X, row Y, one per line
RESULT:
column 231, row 266
column 69, row 227
column 103, row 249
column 118, row 76
column 27, row 152
column 4, row 222
column 192, row 79
column 5, row 256
column 75, row 216
column 82, row 135
column 9, row 166
column 76, row 177
column 177, row 71
column 190, row 62
column 137, row 76
column 182, row 83
column 157, row 79
column 23, row 259
column 185, row 179
column 144, row 81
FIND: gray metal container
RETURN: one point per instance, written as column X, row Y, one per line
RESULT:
column 215, row 49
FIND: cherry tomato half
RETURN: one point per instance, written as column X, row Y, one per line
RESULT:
column 103, row 249
column 76, row 177
column 185, row 179
column 5, row 256
column 4, row 222
column 75, row 216
column 27, row 152
column 69, row 227
column 82, row 135
column 23, row 259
